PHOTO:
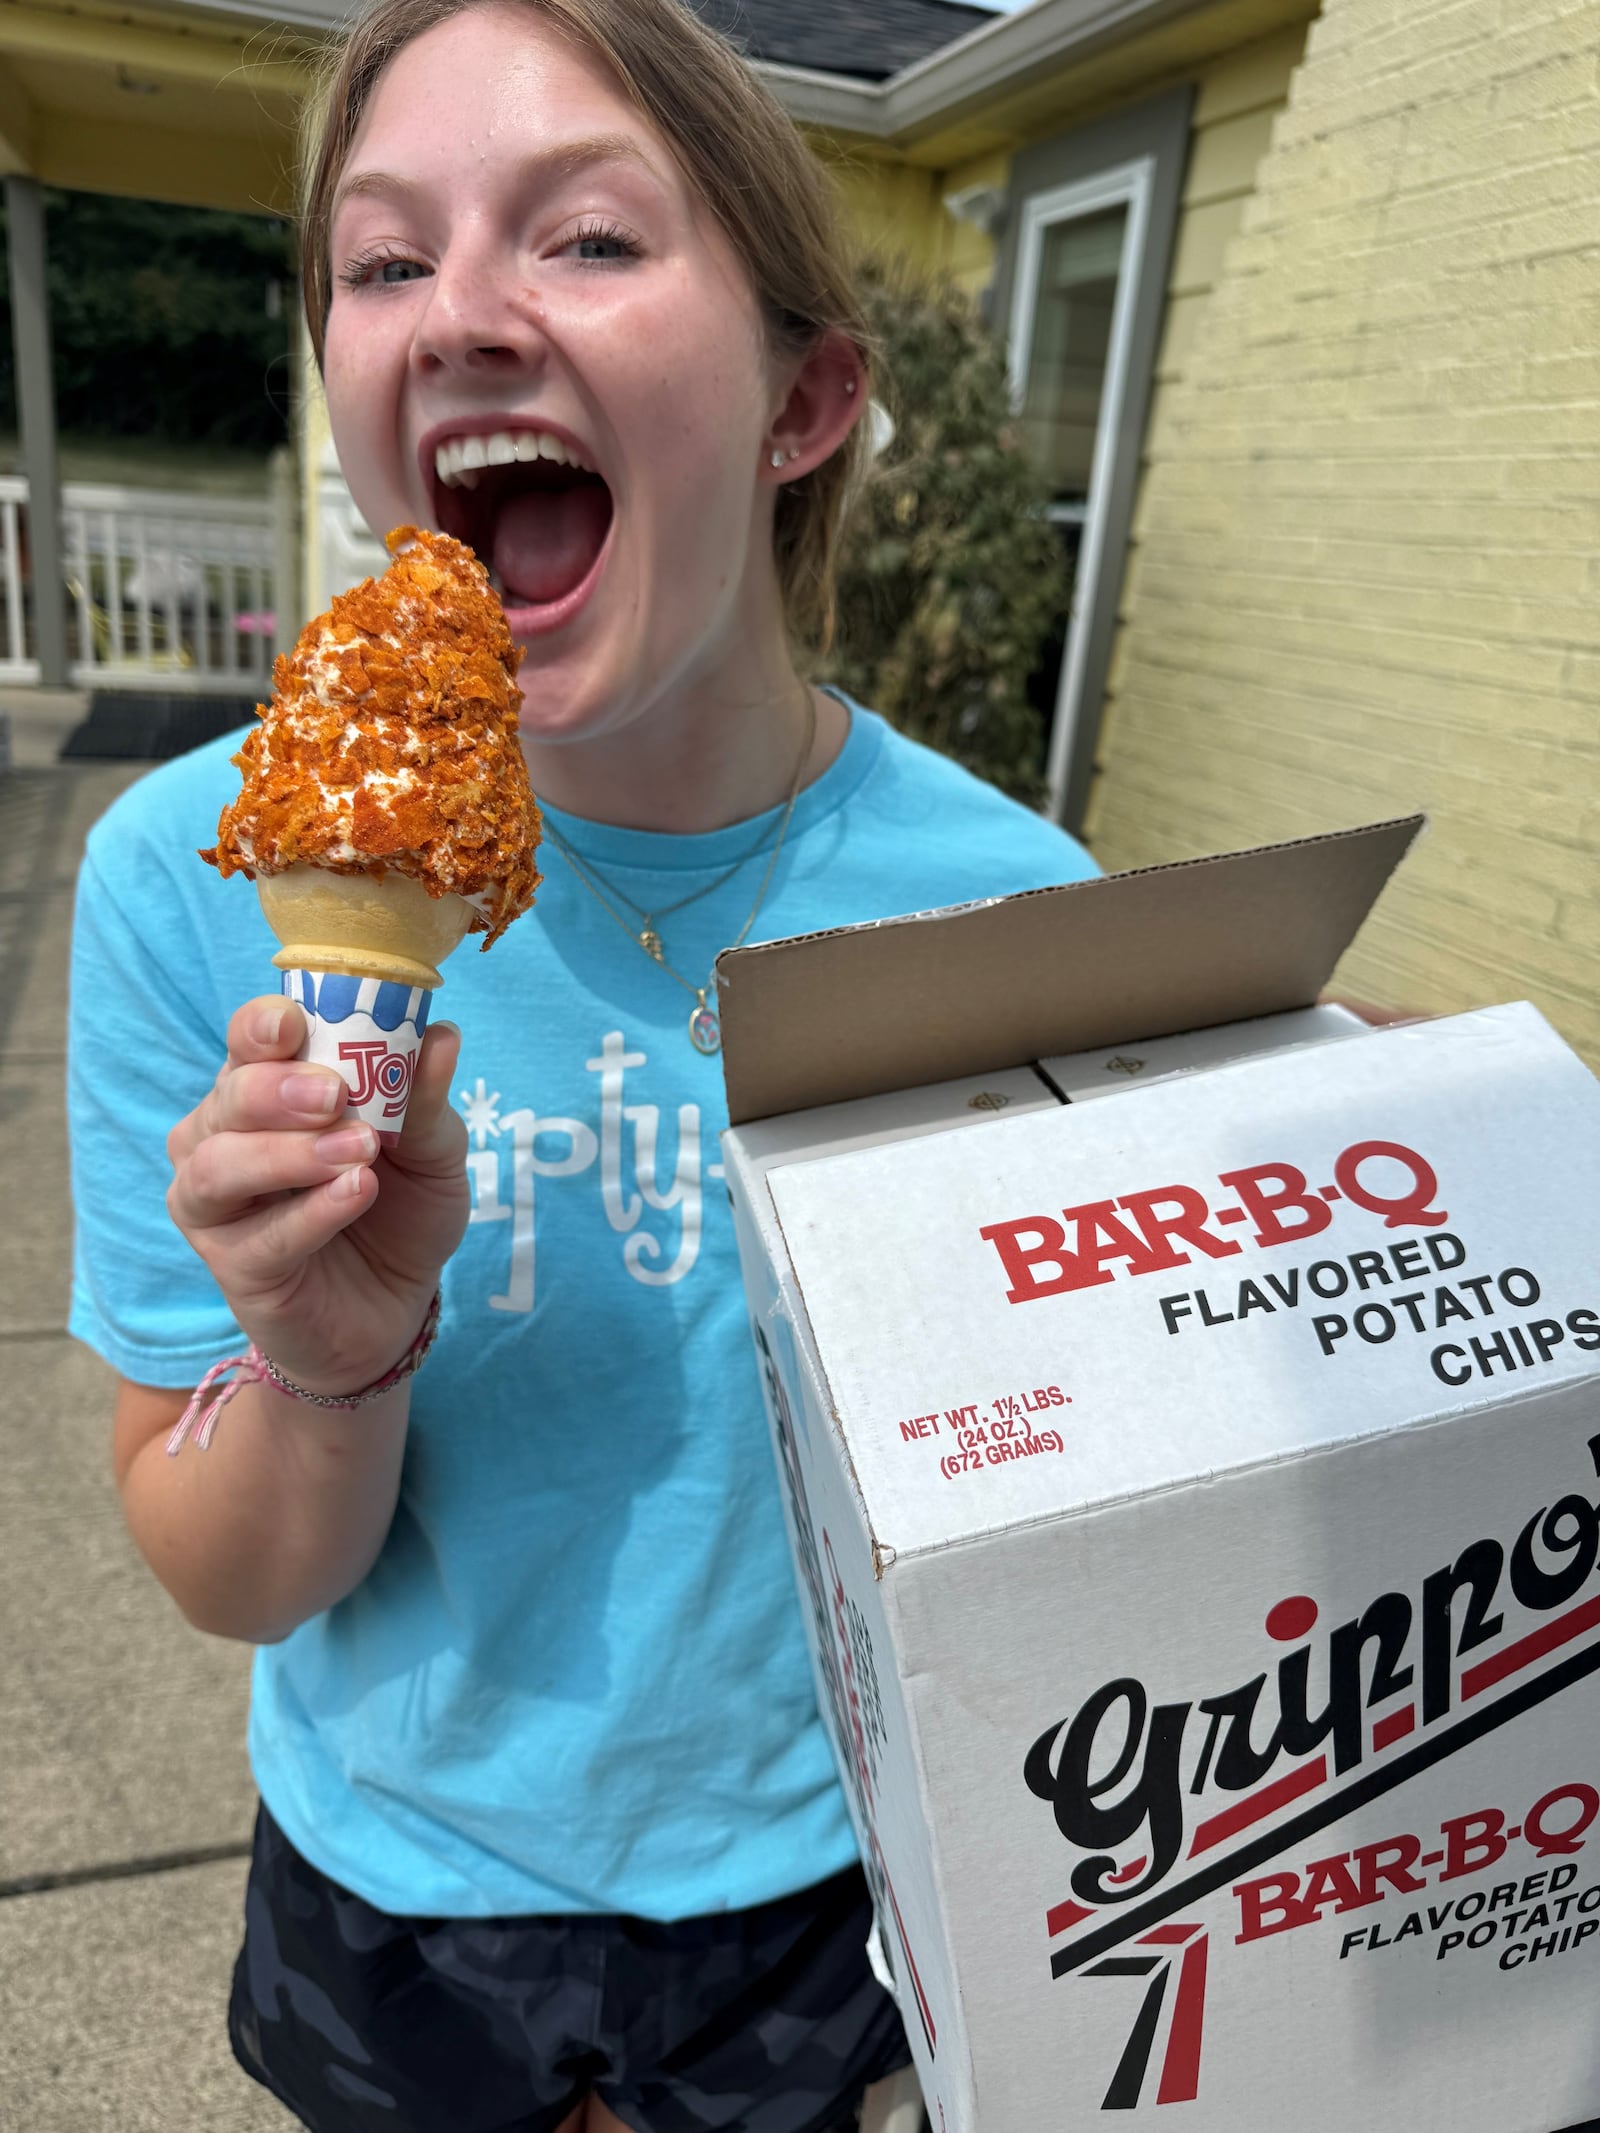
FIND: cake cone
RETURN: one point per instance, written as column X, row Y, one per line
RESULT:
column 360, row 956
column 362, row 925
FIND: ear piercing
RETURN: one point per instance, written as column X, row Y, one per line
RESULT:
column 780, row 459
column 850, row 386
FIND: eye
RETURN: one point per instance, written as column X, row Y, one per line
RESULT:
column 601, row 244
column 380, row 270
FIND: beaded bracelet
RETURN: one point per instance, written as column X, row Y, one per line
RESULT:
column 199, row 1418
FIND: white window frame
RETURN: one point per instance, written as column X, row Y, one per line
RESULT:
column 1128, row 185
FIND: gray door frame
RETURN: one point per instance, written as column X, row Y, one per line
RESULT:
column 1147, row 149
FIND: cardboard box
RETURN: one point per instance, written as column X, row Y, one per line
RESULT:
column 1196, row 1502
column 1078, row 1077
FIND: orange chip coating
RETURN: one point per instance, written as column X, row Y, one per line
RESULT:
column 391, row 741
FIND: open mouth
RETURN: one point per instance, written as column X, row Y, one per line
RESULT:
column 528, row 507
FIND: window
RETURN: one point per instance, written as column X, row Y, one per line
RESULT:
column 1081, row 292
column 1063, row 323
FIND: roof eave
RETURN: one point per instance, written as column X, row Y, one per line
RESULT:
column 950, row 84
column 834, row 101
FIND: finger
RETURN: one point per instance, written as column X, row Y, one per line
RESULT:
column 275, row 1096
column 230, row 1172
column 262, row 1252
column 433, row 1137
column 269, row 1027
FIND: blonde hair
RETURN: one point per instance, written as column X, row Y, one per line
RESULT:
column 743, row 156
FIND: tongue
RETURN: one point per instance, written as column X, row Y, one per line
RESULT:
column 545, row 540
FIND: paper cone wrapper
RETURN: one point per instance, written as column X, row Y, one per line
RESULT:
column 369, row 1031
column 360, row 957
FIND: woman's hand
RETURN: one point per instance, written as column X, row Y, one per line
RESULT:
column 327, row 1250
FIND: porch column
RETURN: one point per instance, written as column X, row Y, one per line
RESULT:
column 36, row 419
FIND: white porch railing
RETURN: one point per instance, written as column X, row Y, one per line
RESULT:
column 164, row 590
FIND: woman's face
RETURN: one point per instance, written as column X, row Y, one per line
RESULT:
column 540, row 341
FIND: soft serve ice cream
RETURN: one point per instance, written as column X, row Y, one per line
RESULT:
column 391, row 742
column 386, row 809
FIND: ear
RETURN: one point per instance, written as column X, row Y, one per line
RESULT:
column 827, row 396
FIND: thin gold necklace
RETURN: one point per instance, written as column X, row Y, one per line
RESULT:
column 645, row 933
column 705, row 1031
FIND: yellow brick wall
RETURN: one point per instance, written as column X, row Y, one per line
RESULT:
column 1369, row 552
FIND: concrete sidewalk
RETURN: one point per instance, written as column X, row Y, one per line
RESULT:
column 125, row 1800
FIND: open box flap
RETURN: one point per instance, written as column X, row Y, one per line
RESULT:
column 859, row 1010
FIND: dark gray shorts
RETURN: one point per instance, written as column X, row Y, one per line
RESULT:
column 760, row 2021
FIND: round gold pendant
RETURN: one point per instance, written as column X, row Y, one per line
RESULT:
column 705, row 1032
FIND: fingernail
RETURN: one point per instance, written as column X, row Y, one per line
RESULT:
column 347, row 1144
column 266, row 1026
column 312, row 1095
column 346, row 1186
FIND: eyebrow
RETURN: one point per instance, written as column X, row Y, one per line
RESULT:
column 550, row 166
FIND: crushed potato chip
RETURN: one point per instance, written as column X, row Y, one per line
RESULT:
column 391, row 741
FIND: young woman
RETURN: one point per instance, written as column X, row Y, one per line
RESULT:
column 550, row 1833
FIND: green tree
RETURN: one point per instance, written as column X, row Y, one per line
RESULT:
column 166, row 323
column 950, row 579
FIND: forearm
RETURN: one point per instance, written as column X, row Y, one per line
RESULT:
column 281, row 1516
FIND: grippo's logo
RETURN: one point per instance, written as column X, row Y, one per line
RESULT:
column 1164, row 1802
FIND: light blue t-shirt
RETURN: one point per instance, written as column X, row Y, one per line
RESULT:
column 576, row 1677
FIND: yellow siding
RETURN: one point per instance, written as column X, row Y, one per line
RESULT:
column 969, row 250
column 1367, row 573
column 892, row 207
column 900, row 207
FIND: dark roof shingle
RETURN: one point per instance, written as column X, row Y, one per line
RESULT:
column 869, row 39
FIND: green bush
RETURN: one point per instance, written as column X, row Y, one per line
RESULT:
column 166, row 323
column 951, row 577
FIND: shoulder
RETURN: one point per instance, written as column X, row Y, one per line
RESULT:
column 961, row 824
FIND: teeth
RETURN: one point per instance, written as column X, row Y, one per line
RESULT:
column 458, row 459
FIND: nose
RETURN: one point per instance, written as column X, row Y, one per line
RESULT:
column 477, row 318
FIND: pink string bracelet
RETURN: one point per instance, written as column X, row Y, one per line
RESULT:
column 199, row 1418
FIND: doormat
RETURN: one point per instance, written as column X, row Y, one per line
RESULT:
column 146, row 727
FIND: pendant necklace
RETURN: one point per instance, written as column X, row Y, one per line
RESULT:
column 705, row 1031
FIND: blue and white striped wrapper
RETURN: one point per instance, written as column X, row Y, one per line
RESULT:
column 370, row 1032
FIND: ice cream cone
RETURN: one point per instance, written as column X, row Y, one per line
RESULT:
column 360, row 958
column 385, row 810
column 362, row 925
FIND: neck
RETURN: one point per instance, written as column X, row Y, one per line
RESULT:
column 719, row 744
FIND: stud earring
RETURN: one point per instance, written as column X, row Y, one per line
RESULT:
column 777, row 459
column 850, row 387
